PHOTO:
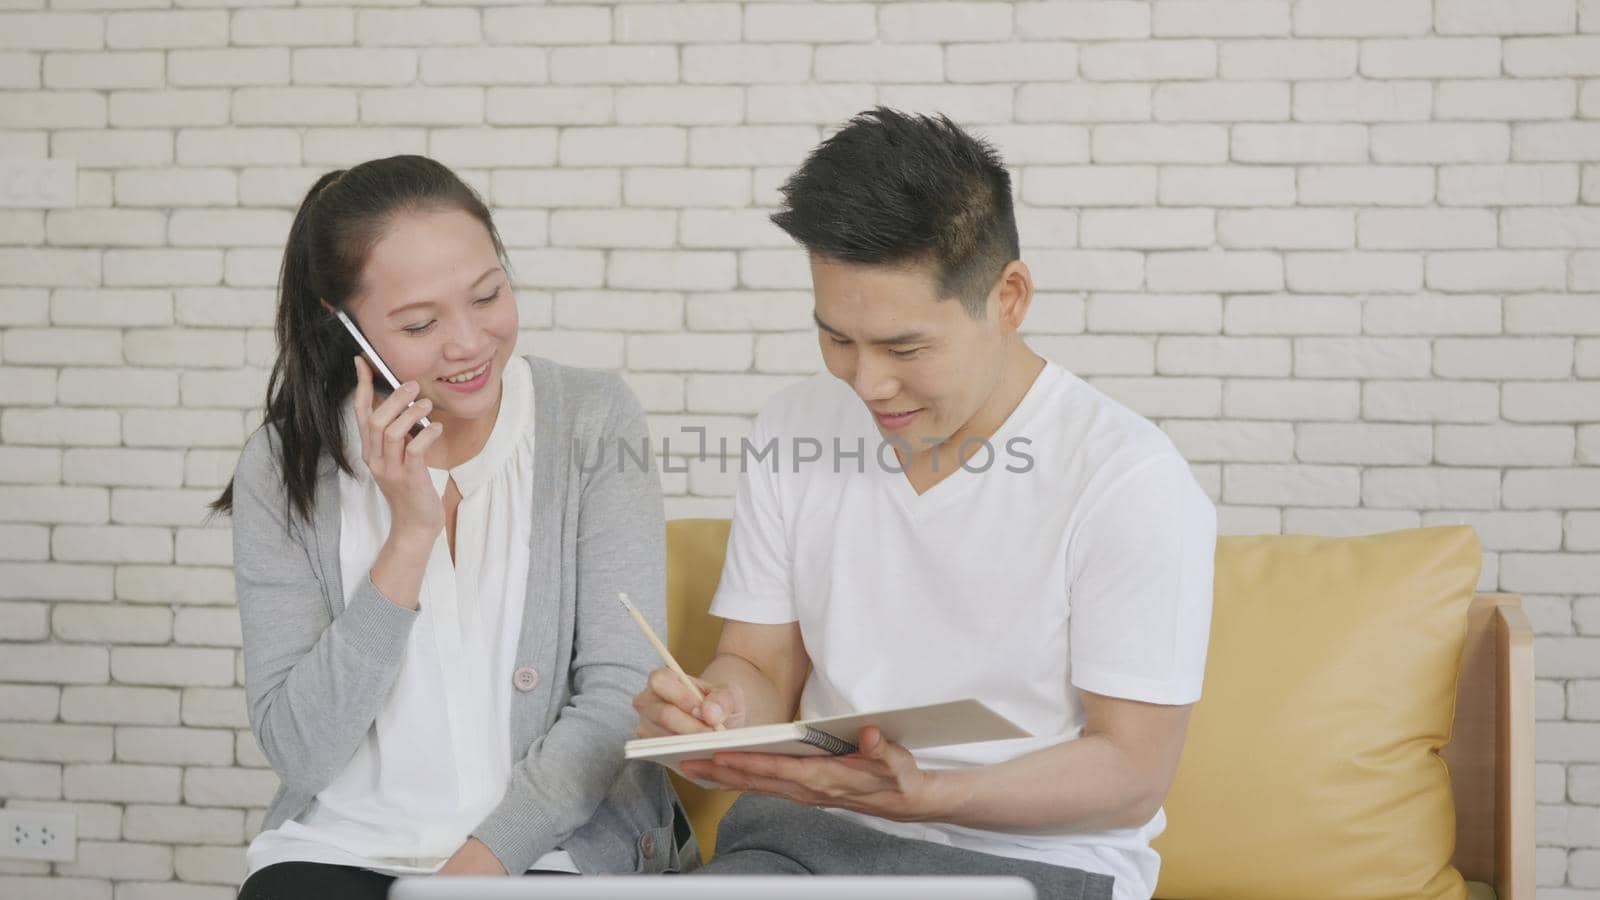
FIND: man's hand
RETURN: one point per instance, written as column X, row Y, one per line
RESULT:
column 474, row 858
column 882, row 779
column 667, row 706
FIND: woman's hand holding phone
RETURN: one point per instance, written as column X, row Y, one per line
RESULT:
column 395, row 459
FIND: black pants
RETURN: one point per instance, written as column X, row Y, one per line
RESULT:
column 314, row 881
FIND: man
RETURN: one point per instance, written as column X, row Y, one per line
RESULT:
column 1009, row 533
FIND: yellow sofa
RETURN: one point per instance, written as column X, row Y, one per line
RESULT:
column 1490, row 754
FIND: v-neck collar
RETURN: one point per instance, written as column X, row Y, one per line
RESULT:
column 962, row 479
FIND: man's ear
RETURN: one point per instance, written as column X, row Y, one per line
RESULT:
column 1014, row 295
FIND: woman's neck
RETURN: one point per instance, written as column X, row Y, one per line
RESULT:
column 462, row 439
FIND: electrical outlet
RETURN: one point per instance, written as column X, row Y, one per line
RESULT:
column 29, row 834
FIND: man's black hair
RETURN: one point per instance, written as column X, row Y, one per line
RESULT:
column 893, row 188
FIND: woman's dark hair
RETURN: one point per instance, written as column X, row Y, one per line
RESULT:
column 891, row 188
column 342, row 217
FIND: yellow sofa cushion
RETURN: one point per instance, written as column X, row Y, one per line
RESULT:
column 1311, row 767
column 695, row 548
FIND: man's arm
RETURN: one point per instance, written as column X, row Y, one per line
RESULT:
column 755, row 679
column 1115, row 775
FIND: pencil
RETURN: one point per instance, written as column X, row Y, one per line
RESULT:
column 663, row 652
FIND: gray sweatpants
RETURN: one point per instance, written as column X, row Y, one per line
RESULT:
column 767, row 836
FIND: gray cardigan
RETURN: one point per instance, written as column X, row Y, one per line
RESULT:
column 317, row 670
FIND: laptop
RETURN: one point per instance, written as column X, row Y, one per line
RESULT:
column 715, row 887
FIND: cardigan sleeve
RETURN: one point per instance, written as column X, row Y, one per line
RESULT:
column 313, row 682
column 621, row 546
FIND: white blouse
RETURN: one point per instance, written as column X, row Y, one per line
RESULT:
column 437, row 758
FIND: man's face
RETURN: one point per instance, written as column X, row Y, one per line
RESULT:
column 922, row 365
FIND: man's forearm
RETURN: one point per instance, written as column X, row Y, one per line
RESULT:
column 764, row 703
column 1083, row 785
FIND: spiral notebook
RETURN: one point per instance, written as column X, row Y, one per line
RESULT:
column 935, row 725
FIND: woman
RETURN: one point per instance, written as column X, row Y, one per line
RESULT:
column 436, row 662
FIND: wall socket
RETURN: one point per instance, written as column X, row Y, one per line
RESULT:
column 30, row 834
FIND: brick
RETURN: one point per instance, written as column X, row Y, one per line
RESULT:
column 51, row 31
column 1200, row 314
column 292, row 106
column 31, row 465
column 231, row 67
column 680, row 105
column 1236, row 356
column 132, row 69
column 1266, row 484
column 1084, row 102
column 168, row 108
column 117, row 705
column 1441, row 143
column 1363, row 357
column 1432, row 314
column 1090, row 186
column 19, row 306
column 24, row 542
column 1506, row 445
column 729, row 228
column 347, row 146
column 30, row 703
column 1277, row 399
column 1423, row 401
column 186, row 346
column 1287, row 59
column 1505, row 100
column 1554, row 141
column 174, row 746
column 879, row 63
column 1362, row 18
column 122, row 861
column 1430, row 57
column 749, row 63
column 56, row 581
column 122, row 783
column 88, row 346
column 118, row 387
column 422, row 106
column 1504, row 358
column 106, row 227
column 210, row 865
column 1503, row 270
column 1222, row 101
column 293, row 27
column 175, row 187
column 228, row 787
column 1147, row 228
column 621, row 310
column 1347, row 522
column 1508, row 185
column 1213, row 270
column 166, row 29
column 184, row 585
column 53, row 109
column 215, row 707
column 1296, row 143
column 1585, row 271
column 33, row 781
column 681, row 23
column 977, row 104
column 1232, row 441
column 1017, row 62
column 1552, row 314
column 622, row 146
column 111, row 543
column 749, row 311
column 56, row 888
column 1552, row 56
column 54, row 743
column 1362, row 101
column 1425, row 488
column 1160, row 143
column 1220, row 18
column 776, row 104
column 613, row 65
column 548, row 106
column 836, row 22
column 1100, row 354
column 1550, row 227
column 1427, row 229
column 1504, row 16
column 357, row 66
column 1555, row 573
column 24, row 621
column 1364, row 444
column 35, row 267
column 1290, row 229
column 1102, row 20
column 207, row 627
column 1500, row 530
column 20, row 71
column 204, row 546
column 1214, row 186
column 417, row 27
column 792, row 352
column 1111, row 270
column 60, row 427
column 183, row 825
column 1552, row 488
column 547, row 25
column 176, row 666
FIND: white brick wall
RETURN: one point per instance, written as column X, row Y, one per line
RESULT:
column 1347, row 252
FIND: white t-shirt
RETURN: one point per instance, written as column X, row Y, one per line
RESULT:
column 437, row 759
column 1078, row 558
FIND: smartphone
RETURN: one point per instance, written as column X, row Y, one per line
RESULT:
column 378, row 364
